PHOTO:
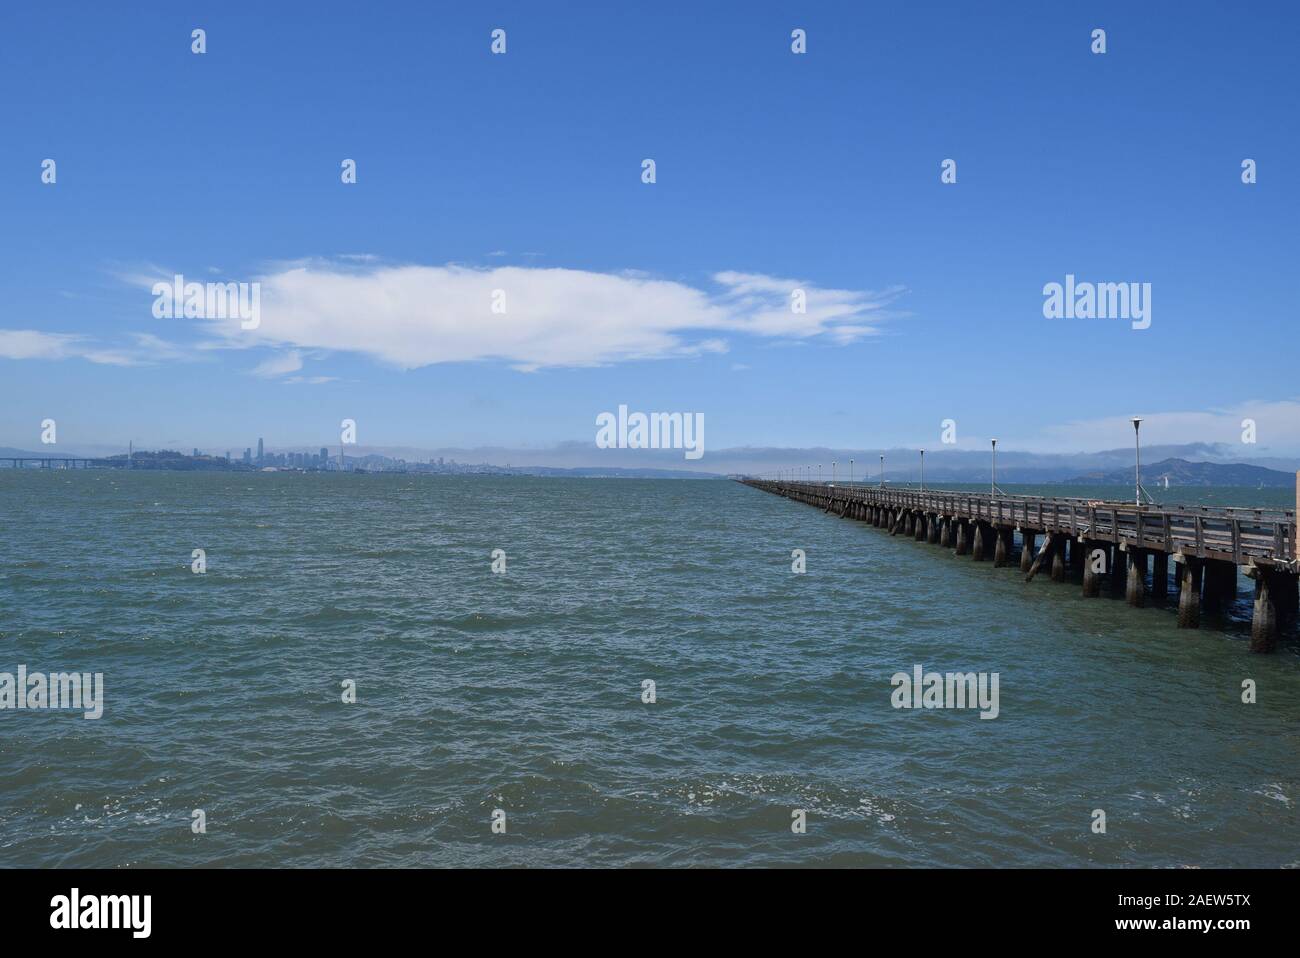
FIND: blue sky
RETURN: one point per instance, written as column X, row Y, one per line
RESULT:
column 477, row 171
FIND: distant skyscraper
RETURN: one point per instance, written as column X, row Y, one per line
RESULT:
column 324, row 455
column 196, row 452
column 248, row 454
column 260, row 452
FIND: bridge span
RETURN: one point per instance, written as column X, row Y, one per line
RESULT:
column 57, row 462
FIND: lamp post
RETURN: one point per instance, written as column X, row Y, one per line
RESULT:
column 923, row 470
column 1137, row 464
column 882, row 472
column 993, row 476
column 832, row 472
column 850, row 472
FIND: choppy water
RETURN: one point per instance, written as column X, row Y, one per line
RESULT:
column 522, row 691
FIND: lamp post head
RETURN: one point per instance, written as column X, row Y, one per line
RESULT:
column 1136, row 422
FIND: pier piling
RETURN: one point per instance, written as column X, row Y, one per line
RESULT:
column 1264, row 622
column 1136, row 591
column 1058, row 558
column 1027, row 538
column 1189, row 592
column 1091, row 577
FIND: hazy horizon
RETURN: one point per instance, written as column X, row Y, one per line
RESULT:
column 939, row 463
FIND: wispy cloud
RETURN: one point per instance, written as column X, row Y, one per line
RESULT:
column 764, row 302
column 1276, row 427
column 279, row 365
column 141, row 349
column 33, row 344
column 413, row 316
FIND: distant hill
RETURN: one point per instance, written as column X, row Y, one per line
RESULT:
column 614, row 472
column 1184, row 473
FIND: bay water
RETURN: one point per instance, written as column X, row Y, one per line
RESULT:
column 523, row 691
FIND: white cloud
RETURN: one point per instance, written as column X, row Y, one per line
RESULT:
column 33, row 344
column 279, row 365
column 1277, row 428
column 153, row 348
column 412, row 316
column 764, row 301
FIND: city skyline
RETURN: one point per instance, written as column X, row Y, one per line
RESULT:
column 900, row 464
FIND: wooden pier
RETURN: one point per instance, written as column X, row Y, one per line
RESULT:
column 1125, row 546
